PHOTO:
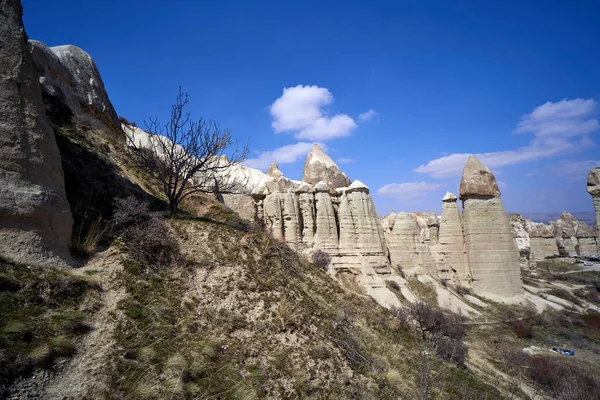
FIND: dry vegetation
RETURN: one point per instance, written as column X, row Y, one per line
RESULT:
column 42, row 313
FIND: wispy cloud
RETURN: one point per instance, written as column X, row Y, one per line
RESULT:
column 345, row 160
column 300, row 110
column 408, row 191
column 367, row 115
column 558, row 128
column 282, row 155
column 574, row 169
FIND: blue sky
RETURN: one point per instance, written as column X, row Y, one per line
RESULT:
column 434, row 81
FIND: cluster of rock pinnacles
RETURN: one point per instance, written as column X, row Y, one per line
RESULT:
column 323, row 211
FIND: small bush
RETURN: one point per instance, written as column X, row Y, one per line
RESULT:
column 564, row 294
column 393, row 285
column 129, row 209
column 151, row 245
column 563, row 378
column 321, row 259
column 522, row 329
column 402, row 314
column 443, row 333
column 462, row 290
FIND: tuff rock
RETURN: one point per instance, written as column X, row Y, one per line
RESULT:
column 492, row 253
column 319, row 167
column 35, row 218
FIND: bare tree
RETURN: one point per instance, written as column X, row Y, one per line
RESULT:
column 187, row 156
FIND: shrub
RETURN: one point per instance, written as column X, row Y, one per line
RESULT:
column 393, row 285
column 564, row 294
column 443, row 333
column 129, row 209
column 462, row 290
column 522, row 329
column 151, row 245
column 402, row 314
column 321, row 259
column 400, row 271
column 563, row 378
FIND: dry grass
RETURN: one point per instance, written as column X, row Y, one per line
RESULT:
column 88, row 236
column 40, row 316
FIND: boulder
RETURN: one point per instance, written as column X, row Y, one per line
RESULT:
column 319, row 167
column 492, row 253
column 477, row 180
column 35, row 218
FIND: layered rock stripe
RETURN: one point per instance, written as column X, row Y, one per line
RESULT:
column 492, row 254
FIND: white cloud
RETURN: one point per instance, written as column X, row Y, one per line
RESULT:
column 282, row 155
column 557, row 128
column 408, row 191
column 367, row 115
column 299, row 110
column 345, row 160
column 574, row 169
column 502, row 184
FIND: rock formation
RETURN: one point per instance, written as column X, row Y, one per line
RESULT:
column 35, row 218
column 593, row 188
column 542, row 241
column 492, row 254
column 72, row 86
column 451, row 259
column 274, row 171
column 319, row 167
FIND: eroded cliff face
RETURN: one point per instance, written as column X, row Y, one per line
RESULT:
column 492, row 253
column 35, row 218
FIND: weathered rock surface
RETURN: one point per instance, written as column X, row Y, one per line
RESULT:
column 492, row 253
column 451, row 258
column 69, row 76
column 477, row 180
column 593, row 188
column 406, row 244
column 361, row 241
column 319, row 167
column 35, row 218
column 274, row 171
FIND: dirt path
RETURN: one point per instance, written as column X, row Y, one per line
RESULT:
column 85, row 376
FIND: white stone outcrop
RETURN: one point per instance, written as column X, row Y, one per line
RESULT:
column 69, row 76
column 492, row 253
column 35, row 218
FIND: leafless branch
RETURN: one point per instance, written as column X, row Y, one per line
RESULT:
column 188, row 156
